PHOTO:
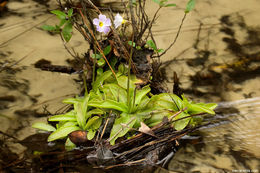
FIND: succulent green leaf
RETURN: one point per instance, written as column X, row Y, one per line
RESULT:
column 48, row 28
column 160, row 50
column 109, row 104
column 181, row 124
column 190, row 5
column 122, row 81
column 71, row 100
column 107, row 50
column 131, row 43
column 202, row 108
column 99, row 71
column 96, row 125
column 119, row 129
column 62, row 22
column 69, row 145
column 101, row 62
column 211, row 106
column 133, row 2
column 196, row 121
column 60, row 124
column 157, row 1
column 91, row 121
column 37, row 153
column 157, row 117
column 158, row 102
column 67, row 31
column 70, row 12
column 162, row 3
column 69, row 123
column 62, row 132
column 143, row 103
column 113, row 60
column 166, row 101
column 43, row 126
column 138, row 47
column 151, row 44
column 115, row 92
column 178, row 103
column 96, row 56
column 94, row 112
column 91, row 134
column 59, row 14
column 63, row 117
column 141, row 93
column 170, row 5
column 80, row 114
column 122, row 69
column 85, row 105
column 100, row 79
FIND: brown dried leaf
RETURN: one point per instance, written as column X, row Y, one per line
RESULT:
column 145, row 129
column 114, row 48
column 116, row 52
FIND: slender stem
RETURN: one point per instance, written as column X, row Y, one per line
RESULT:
column 177, row 35
column 133, row 105
column 83, row 32
column 99, row 48
column 85, row 83
column 94, row 71
column 179, row 112
column 65, row 46
column 194, row 115
column 104, row 128
column 91, row 3
column 126, row 164
column 151, row 23
column 94, row 65
column 129, row 73
column 134, row 27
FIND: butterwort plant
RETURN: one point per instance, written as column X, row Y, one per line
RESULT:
column 110, row 94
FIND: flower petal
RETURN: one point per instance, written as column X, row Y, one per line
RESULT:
column 96, row 21
column 117, row 24
column 107, row 22
column 102, row 18
column 118, row 17
column 99, row 29
column 118, row 20
column 106, row 29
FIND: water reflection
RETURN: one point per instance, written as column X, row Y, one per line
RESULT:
column 232, row 144
column 27, row 94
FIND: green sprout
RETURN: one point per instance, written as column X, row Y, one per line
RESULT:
column 163, row 3
column 65, row 25
column 152, row 45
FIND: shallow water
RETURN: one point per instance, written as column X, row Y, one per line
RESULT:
column 216, row 58
column 232, row 144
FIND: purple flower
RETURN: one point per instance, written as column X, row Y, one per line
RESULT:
column 102, row 23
